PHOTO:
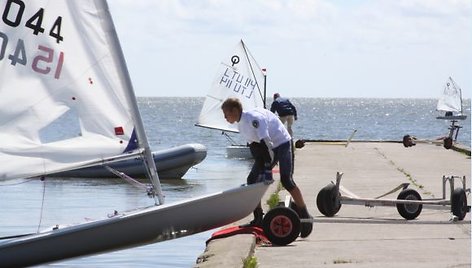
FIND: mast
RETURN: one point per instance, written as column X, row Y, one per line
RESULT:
column 131, row 99
column 253, row 75
column 460, row 93
column 264, row 99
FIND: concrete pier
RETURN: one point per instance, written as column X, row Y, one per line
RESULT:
column 359, row 236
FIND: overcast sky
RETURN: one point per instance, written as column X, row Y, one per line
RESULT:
column 310, row 48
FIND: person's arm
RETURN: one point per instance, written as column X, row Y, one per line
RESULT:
column 260, row 150
column 273, row 107
column 262, row 132
column 264, row 151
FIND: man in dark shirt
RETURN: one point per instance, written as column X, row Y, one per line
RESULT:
column 286, row 111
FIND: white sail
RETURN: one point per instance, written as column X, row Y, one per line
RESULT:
column 239, row 76
column 451, row 98
column 59, row 57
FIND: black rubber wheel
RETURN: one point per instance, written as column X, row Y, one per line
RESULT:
column 299, row 144
column 408, row 141
column 328, row 200
column 459, row 203
column 281, row 225
column 306, row 227
column 448, row 143
column 319, row 201
column 409, row 211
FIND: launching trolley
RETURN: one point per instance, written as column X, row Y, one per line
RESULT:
column 409, row 202
column 282, row 224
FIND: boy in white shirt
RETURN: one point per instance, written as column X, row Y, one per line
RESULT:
column 269, row 142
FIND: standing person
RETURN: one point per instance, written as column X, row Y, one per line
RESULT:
column 286, row 111
column 269, row 142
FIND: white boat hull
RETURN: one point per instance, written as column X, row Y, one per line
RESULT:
column 238, row 151
column 171, row 163
column 453, row 117
column 149, row 225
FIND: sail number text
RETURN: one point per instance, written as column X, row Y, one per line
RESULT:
column 45, row 60
column 238, row 82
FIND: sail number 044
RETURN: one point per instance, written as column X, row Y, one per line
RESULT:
column 44, row 59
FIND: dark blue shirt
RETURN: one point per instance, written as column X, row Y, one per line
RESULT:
column 283, row 107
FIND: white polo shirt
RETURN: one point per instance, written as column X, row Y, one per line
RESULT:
column 259, row 124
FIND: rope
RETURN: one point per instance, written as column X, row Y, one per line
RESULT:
column 137, row 184
column 231, row 140
column 17, row 183
column 197, row 169
column 42, row 204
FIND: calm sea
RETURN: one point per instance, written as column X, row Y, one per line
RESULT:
column 170, row 122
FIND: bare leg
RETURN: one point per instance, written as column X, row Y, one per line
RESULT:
column 306, row 227
column 297, row 197
column 287, row 121
column 290, row 119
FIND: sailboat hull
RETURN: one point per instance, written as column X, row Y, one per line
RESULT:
column 453, row 117
column 238, row 151
column 148, row 225
column 171, row 163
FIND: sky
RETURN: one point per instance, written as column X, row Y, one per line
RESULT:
column 310, row 48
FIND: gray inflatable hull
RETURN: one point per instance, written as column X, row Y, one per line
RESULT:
column 171, row 163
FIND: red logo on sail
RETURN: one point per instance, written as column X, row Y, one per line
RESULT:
column 119, row 131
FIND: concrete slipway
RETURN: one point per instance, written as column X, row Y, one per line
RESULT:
column 359, row 236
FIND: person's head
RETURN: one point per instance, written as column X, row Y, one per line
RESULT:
column 232, row 109
column 276, row 95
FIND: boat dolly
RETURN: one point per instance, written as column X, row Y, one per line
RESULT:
column 282, row 224
column 409, row 203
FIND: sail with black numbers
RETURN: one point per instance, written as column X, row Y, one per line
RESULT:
column 238, row 76
column 61, row 64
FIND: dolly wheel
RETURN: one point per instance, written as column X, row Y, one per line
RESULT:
column 409, row 211
column 459, row 203
column 448, row 143
column 328, row 200
column 281, row 225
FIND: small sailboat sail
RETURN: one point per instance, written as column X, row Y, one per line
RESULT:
column 238, row 76
column 60, row 56
column 450, row 101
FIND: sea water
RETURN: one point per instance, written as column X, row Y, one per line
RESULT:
column 28, row 206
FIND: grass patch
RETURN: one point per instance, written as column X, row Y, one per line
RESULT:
column 273, row 200
column 250, row 262
column 341, row 261
column 412, row 180
column 279, row 187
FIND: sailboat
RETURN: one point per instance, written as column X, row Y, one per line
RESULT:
column 239, row 76
column 61, row 56
column 450, row 103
